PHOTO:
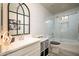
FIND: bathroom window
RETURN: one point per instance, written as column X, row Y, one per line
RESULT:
column 64, row 19
column 64, row 23
column 19, row 19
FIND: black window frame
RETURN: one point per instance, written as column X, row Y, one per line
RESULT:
column 20, row 5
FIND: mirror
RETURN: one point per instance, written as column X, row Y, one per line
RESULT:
column 19, row 19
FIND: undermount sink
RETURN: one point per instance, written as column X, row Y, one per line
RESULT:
column 54, row 42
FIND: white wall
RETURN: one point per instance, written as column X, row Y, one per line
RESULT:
column 38, row 16
column 72, row 29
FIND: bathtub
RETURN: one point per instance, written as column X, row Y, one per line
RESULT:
column 68, row 47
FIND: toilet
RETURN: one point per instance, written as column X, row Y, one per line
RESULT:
column 54, row 47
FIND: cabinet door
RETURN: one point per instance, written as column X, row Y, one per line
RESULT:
column 28, row 50
column 46, row 44
column 34, row 52
column 42, row 46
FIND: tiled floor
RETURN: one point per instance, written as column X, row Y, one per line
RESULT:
column 64, row 50
column 52, row 54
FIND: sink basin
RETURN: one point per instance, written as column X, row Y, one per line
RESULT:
column 54, row 42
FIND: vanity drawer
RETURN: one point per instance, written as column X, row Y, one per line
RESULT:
column 26, row 50
column 35, row 52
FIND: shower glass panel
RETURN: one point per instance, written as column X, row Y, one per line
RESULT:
column 67, row 27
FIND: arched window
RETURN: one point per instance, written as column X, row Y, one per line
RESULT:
column 19, row 19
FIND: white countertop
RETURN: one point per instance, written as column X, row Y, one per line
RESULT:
column 43, row 39
column 19, row 44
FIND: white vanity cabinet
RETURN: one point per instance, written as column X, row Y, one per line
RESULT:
column 30, row 50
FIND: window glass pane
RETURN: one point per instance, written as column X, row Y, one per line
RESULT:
column 20, row 29
column 20, row 19
column 20, row 10
column 64, row 24
column 26, row 20
column 63, row 18
column 12, row 26
column 12, row 16
column 26, row 29
column 12, row 32
column 13, row 7
column 66, row 18
column 25, row 10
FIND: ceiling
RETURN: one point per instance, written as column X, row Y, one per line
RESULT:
column 59, row 7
